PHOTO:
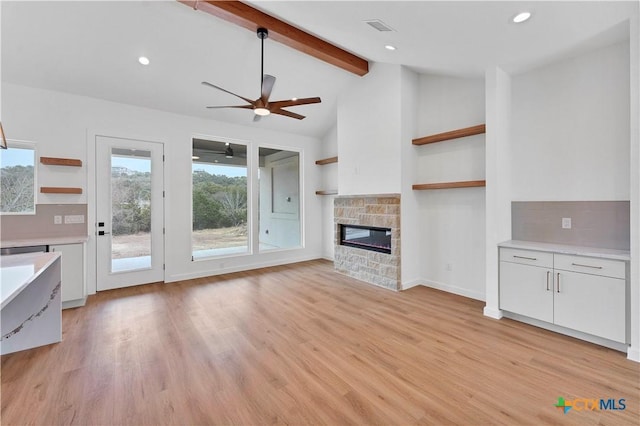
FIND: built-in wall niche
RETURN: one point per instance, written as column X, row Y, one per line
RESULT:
column 324, row 162
column 64, row 162
column 446, row 136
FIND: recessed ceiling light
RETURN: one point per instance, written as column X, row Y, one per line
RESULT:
column 143, row 60
column 294, row 99
column 390, row 47
column 521, row 17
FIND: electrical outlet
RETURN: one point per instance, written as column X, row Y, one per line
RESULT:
column 57, row 220
column 566, row 223
column 74, row 218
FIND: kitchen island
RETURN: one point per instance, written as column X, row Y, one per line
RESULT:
column 31, row 304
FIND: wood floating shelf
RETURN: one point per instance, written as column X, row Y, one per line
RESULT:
column 327, row 192
column 327, row 161
column 61, row 161
column 59, row 190
column 447, row 185
column 453, row 134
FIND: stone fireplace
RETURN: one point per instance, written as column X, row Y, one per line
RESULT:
column 364, row 227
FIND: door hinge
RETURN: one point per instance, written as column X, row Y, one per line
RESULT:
column 164, row 267
column 164, row 231
column 163, row 158
column 162, row 194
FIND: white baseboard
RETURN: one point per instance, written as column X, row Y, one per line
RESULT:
column 492, row 312
column 329, row 258
column 455, row 290
column 622, row 347
column 633, row 354
column 238, row 268
column 409, row 284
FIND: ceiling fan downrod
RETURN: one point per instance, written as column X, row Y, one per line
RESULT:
column 262, row 33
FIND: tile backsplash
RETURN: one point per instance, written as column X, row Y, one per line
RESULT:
column 604, row 224
column 41, row 224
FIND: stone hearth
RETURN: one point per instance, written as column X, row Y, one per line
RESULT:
column 381, row 211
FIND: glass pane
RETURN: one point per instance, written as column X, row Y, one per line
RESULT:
column 279, row 200
column 219, row 173
column 17, row 180
column 131, row 209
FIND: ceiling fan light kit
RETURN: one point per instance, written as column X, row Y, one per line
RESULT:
column 262, row 106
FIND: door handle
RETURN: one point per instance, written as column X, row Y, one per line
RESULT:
column 103, row 233
column 548, row 273
column 558, row 282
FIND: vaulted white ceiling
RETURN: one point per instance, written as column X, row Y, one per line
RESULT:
column 91, row 48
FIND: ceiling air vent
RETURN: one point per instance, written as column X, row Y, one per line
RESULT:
column 378, row 25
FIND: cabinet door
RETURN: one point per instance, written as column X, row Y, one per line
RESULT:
column 72, row 273
column 590, row 303
column 526, row 290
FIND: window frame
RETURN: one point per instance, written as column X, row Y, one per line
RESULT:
column 13, row 144
column 250, row 147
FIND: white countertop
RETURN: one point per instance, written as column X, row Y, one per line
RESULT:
column 568, row 249
column 43, row 241
column 17, row 271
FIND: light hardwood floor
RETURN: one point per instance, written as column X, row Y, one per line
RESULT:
column 301, row 344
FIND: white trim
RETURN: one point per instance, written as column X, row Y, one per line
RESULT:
column 239, row 268
column 455, row 290
column 633, row 354
column 622, row 347
column 410, row 284
column 492, row 313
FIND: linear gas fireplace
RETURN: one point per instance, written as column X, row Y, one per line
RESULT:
column 366, row 238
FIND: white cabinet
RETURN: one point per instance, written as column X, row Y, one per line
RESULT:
column 72, row 274
column 581, row 293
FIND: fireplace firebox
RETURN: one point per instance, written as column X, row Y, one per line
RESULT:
column 366, row 238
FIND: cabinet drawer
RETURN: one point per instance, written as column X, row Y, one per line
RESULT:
column 591, row 265
column 526, row 257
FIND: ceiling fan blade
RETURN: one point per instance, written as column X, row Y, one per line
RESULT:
column 206, row 83
column 231, row 106
column 267, row 86
column 303, row 101
column 287, row 113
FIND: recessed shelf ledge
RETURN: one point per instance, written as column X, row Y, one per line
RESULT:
column 448, row 185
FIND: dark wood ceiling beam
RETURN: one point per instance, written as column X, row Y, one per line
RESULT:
column 248, row 17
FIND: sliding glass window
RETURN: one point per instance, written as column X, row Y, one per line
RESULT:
column 219, row 174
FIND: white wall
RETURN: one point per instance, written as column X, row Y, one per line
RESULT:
column 369, row 133
column 62, row 124
column 451, row 221
column 634, row 114
column 410, row 218
column 329, row 180
column 498, row 172
column 570, row 129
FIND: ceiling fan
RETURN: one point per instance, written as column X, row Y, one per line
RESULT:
column 262, row 106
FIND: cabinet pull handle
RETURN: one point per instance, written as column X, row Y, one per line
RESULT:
column 524, row 257
column 548, row 272
column 587, row 266
column 558, row 282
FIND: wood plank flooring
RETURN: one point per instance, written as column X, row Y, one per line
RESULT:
column 301, row 344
